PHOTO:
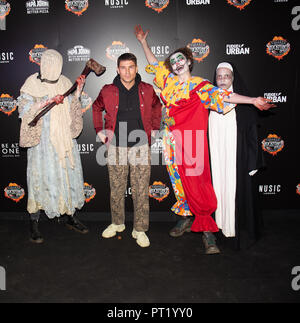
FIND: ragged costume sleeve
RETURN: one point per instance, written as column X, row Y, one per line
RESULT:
column 161, row 74
column 76, row 116
column 212, row 97
column 29, row 136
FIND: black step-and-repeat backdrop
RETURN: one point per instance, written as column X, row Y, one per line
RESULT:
column 260, row 37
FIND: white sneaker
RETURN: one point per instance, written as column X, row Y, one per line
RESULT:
column 112, row 229
column 141, row 238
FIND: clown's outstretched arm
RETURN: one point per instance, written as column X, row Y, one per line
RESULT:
column 259, row 102
column 142, row 38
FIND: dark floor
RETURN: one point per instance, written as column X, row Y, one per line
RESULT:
column 70, row 267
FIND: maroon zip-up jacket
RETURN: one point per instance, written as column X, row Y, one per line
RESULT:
column 108, row 101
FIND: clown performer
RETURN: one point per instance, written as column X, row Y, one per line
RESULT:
column 54, row 173
column 235, row 158
column 187, row 99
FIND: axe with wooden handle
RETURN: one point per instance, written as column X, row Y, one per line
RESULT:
column 91, row 65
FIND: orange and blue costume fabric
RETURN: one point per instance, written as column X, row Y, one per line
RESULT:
column 186, row 122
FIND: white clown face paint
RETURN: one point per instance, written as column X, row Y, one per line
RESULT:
column 179, row 63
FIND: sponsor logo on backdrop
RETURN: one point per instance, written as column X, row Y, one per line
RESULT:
column 296, row 20
column 298, row 189
column 6, row 57
column 116, row 49
column 157, row 5
column 116, row 4
column 89, row 192
column 79, row 54
column 7, row 104
column 281, row 0
column 276, row 97
column 77, row 6
column 237, row 49
column 159, row 191
column 160, row 51
column 128, row 192
column 37, row 6
column 197, row 2
column 241, row 4
column 157, row 146
column 35, row 54
column 272, row 144
column 199, row 48
column 4, row 9
column 269, row 189
column 10, row 150
column 278, row 47
column 85, row 148
column 86, row 101
column 14, row 192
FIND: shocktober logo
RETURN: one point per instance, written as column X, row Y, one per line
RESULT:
column 298, row 189
column 241, row 4
column 35, row 54
column 278, row 47
column 159, row 191
column 14, row 192
column 4, row 9
column 77, row 6
column 272, row 144
column 89, row 192
column 199, row 49
column 157, row 5
column 7, row 104
column 116, row 49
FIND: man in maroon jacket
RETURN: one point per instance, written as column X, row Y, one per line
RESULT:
column 133, row 113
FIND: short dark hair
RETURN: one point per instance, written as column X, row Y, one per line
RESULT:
column 127, row 57
column 186, row 52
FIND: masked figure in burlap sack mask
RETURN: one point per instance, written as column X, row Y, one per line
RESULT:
column 54, row 173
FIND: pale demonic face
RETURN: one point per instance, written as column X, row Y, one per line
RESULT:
column 127, row 71
column 224, row 78
column 179, row 63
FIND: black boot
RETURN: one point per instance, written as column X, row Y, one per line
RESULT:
column 35, row 235
column 74, row 224
column 209, row 241
column 182, row 226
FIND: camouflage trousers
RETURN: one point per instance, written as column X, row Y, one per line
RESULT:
column 136, row 161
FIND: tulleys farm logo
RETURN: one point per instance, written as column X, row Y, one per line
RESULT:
column 278, row 47
column 4, row 9
column 240, row 4
column 77, row 6
column 116, row 49
column 35, row 54
column 199, row 48
column 159, row 191
column 272, row 144
column 89, row 192
column 157, row 5
column 7, row 104
column 14, row 192
column 37, row 6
